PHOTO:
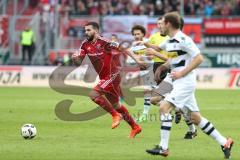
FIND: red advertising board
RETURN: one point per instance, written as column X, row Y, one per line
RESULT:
column 223, row 26
column 4, row 23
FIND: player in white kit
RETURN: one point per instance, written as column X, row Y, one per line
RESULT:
column 184, row 83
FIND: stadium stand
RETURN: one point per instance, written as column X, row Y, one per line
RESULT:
column 56, row 32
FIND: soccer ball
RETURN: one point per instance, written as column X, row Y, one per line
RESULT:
column 28, row 131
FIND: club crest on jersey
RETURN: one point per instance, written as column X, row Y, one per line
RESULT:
column 98, row 46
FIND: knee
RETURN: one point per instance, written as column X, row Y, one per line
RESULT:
column 162, row 109
column 93, row 95
column 165, row 107
column 195, row 118
column 153, row 101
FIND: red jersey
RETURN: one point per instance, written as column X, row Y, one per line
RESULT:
column 106, row 60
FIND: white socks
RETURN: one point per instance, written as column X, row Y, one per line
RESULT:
column 209, row 129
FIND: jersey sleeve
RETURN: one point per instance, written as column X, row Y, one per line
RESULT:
column 190, row 47
column 82, row 51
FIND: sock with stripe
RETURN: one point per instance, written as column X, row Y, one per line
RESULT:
column 190, row 125
column 166, row 126
column 208, row 128
column 147, row 105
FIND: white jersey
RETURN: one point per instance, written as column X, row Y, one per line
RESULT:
column 185, row 48
column 139, row 50
column 147, row 75
column 182, row 94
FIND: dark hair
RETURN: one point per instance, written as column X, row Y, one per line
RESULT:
column 139, row 27
column 174, row 19
column 95, row 25
column 182, row 23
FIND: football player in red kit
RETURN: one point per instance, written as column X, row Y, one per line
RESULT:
column 105, row 58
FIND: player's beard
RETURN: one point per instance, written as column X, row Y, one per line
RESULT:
column 163, row 32
column 90, row 38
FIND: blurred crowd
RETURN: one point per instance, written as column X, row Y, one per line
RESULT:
column 150, row 7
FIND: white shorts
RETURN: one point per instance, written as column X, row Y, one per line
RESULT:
column 163, row 88
column 182, row 94
column 148, row 78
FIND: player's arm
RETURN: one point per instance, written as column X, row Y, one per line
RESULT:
column 152, row 52
column 153, row 46
column 160, row 69
column 136, row 58
column 149, row 45
column 197, row 60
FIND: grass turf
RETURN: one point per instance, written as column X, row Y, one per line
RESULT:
column 94, row 140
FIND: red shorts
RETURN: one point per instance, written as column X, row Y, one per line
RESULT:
column 110, row 87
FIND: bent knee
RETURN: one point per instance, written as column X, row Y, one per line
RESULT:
column 156, row 100
column 165, row 107
column 153, row 101
column 195, row 118
column 93, row 95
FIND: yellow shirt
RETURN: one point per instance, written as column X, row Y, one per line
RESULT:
column 157, row 39
column 27, row 38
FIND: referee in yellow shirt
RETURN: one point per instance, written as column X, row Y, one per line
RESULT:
column 157, row 39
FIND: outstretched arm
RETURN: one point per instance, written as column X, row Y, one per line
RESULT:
column 153, row 52
column 149, row 45
column 136, row 58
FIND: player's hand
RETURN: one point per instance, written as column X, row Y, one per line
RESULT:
column 157, row 75
column 76, row 56
column 176, row 75
column 150, row 52
column 143, row 65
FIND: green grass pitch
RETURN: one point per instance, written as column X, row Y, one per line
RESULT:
column 95, row 140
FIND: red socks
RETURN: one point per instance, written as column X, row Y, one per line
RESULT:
column 101, row 101
column 126, row 116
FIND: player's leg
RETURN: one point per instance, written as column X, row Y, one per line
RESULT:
column 113, row 98
column 99, row 99
column 147, row 79
column 166, row 125
column 155, row 100
column 192, row 131
column 146, row 106
column 208, row 128
column 177, row 97
column 178, row 115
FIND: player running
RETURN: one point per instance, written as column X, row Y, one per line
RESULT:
column 165, row 87
column 104, row 56
column 184, row 84
column 146, row 74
